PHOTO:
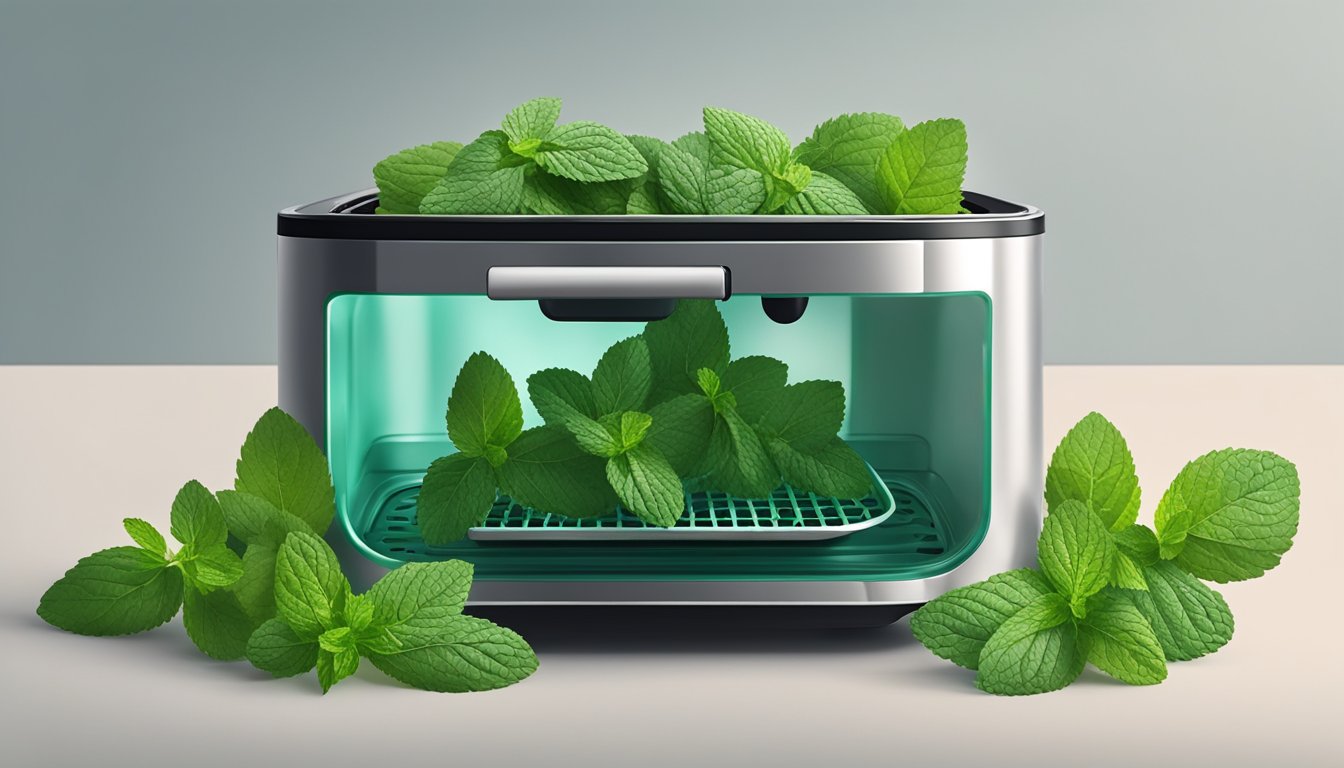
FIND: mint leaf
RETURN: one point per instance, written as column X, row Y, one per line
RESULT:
column 531, row 119
column 1035, row 650
column 921, row 171
column 692, row 337
column 254, row 520
column 212, row 567
column 692, row 184
column 484, row 411
column 255, row 588
column 588, row 151
column 281, row 463
column 848, row 147
column 806, row 415
column 146, row 536
column 217, row 623
column 957, row 625
column 825, row 196
column 647, row 485
column 1139, row 543
column 456, row 494
column 1189, row 619
column 549, row 195
column 1127, row 573
column 1120, row 642
column 485, row 177
column 421, row 593
column 117, row 591
column 335, row 667
column 632, row 427
column 548, row 472
column 559, row 393
column 277, row 649
column 833, row 470
column 461, row 653
column 1076, row 553
column 681, row 431
column 756, row 382
column 1230, row 515
column 647, row 196
column 196, row 519
column 309, row 587
column 741, row 467
column 744, row 141
column 1092, row 464
column 405, row 178
column 623, row 376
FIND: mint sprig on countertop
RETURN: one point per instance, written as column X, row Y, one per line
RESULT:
column 1111, row 592
column 283, row 602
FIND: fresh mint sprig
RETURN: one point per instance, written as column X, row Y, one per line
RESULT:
column 284, row 604
column 1111, row 592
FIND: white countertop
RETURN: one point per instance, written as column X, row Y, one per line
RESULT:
column 82, row 447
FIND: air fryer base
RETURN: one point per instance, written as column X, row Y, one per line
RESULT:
column 543, row 620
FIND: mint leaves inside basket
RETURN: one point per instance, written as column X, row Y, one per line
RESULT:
column 864, row 163
column 662, row 413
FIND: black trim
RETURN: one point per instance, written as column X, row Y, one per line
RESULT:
column 352, row 218
column 558, row 622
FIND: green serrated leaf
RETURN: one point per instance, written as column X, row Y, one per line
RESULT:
column 548, row 472
column 833, row 470
column 825, row 196
column 1093, row 465
column 1076, row 552
column 587, row 151
column 359, row 613
column 647, row 195
column 694, row 336
column 1127, row 573
column 213, row 567
column 461, row 653
column 738, row 462
column 734, row 192
column 405, row 178
column 421, row 593
column 217, row 624
column 1230, row 515
column 531, row 119
column 743, row 141
column 309, row 586
column 548, row 195
column 623, row 376
column 196, row 519
column 1139, row 543
column 483, row 408
column 692, row 184
column 806, row 415
column 336, row 639
column 632, row 428
column 333, row 667
column 118, row 591
column 647, row 486
column 254, row 520
column 277, row 649
column 1189, row 619
column 681, row 431
column 1036, row 650
column 281, row 463
column 757, row 382
column 485, row 177
column 456, row 494
column 848, row 147
column 957, row 625
column 565, row 399
column 255, row 588
column 921, row 171
column 1120, row 641
column 146, row 535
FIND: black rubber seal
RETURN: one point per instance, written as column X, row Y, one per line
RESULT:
column 355, row 220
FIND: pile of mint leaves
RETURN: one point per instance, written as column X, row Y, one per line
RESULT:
column 865, row 163
column 1121, row 596
column 253, row 578
column 663, row 412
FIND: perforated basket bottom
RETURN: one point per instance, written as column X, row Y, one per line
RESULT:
column 897, row 509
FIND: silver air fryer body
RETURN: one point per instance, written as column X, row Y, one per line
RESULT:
column 933, row 323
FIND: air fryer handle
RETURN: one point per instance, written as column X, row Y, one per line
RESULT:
column 608, row 283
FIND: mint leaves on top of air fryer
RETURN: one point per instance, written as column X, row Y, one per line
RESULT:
column 254, row 579
column 1110, row 592
column 662, row 411
column 739, row 165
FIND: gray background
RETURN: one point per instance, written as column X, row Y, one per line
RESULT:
column 1187, row 155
